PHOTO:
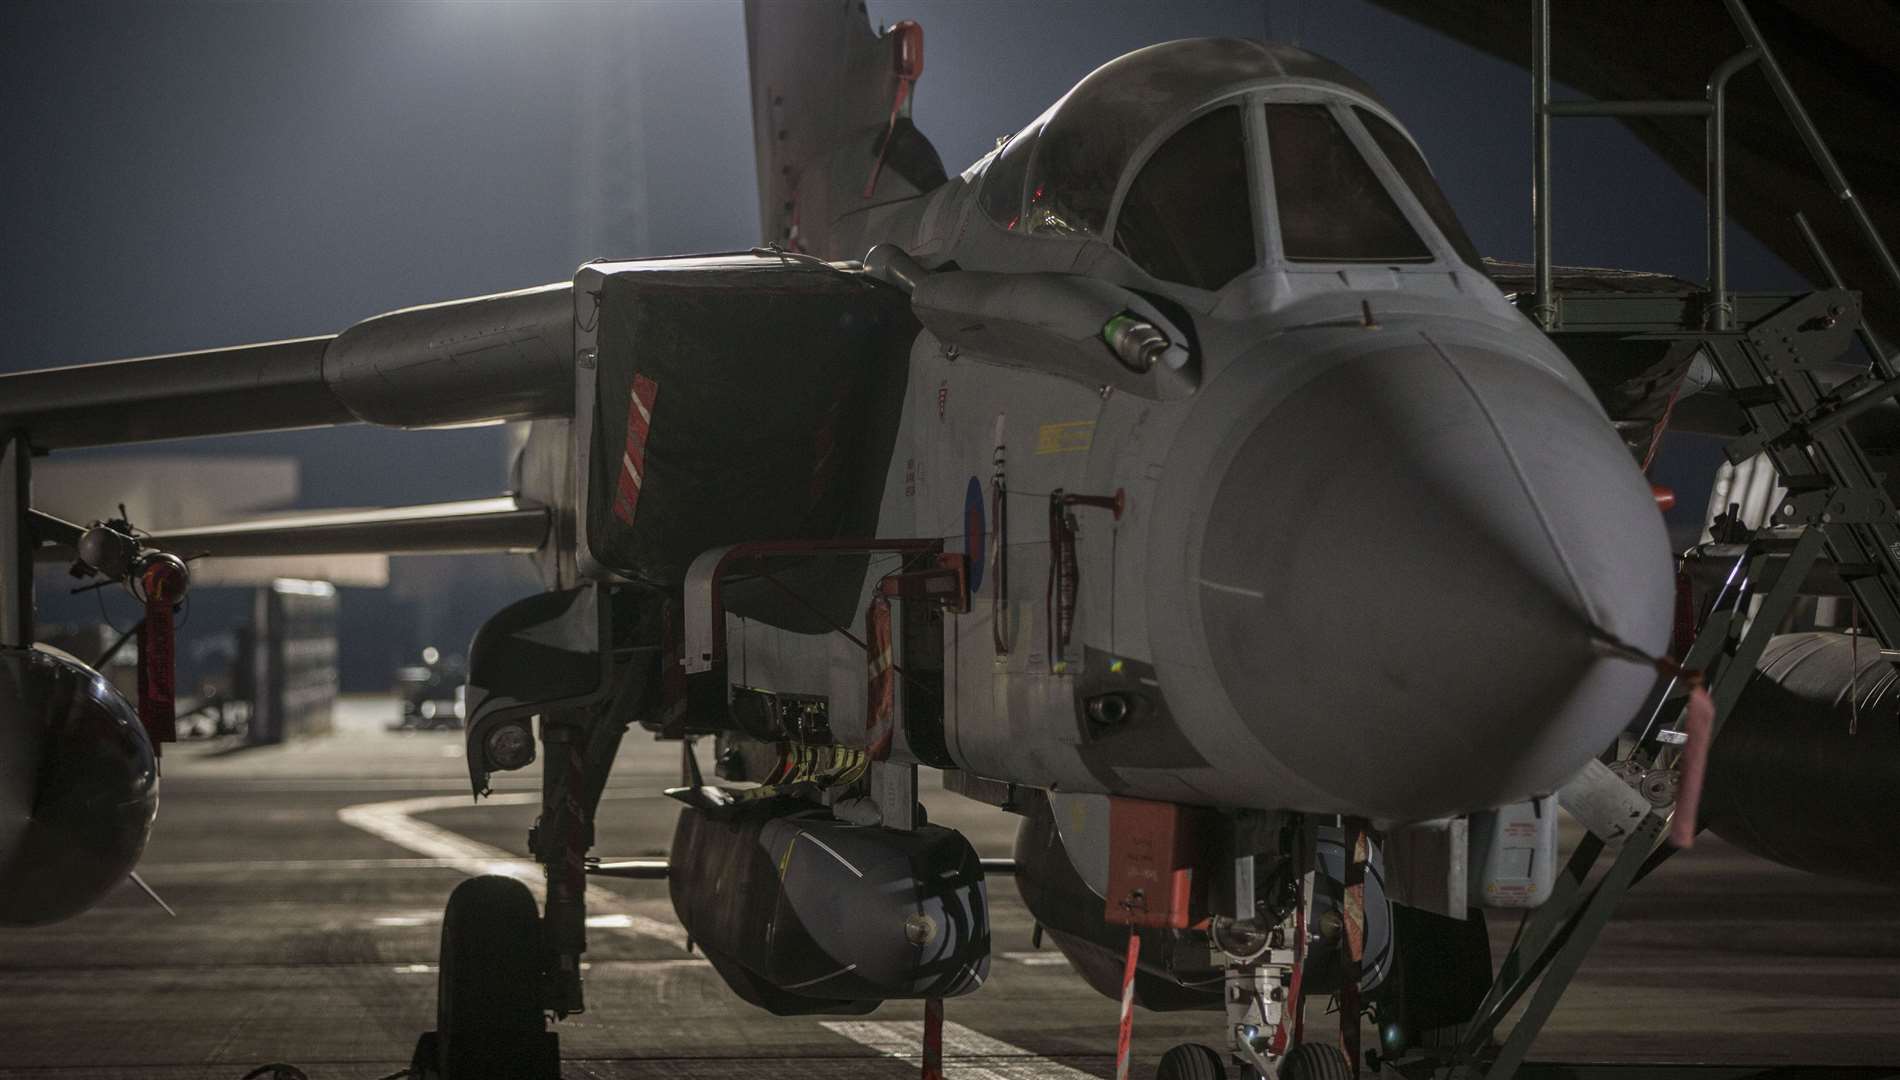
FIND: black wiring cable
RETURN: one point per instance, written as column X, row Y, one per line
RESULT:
column 104, row 617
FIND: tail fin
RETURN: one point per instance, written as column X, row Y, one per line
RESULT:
column 831, row 117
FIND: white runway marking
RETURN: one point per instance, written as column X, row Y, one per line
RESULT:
column 971, row 1054
column 974, row 1055
column 1036, row 959
column 169, row 871
column 393, row 821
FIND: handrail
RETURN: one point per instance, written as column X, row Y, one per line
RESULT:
column 1720, row 310
column 1817, row 147
column 1713, row 110
column 1545, row 304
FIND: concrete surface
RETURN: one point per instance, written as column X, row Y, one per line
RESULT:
column 309, row 881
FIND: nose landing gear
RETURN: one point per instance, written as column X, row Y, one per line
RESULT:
column 1315, row 1061
column 1265, row 951
column 1307, row 1061
column 1191, row 1061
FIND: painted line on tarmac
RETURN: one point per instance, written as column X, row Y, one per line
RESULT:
column 395, row 822
column 977, row 1056
column 174, row 870
column 195, row 780
column 1036, row 959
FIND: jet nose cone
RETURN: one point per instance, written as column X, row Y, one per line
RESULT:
column 1405, row 571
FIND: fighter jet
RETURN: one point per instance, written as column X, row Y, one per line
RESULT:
column 1175, row 476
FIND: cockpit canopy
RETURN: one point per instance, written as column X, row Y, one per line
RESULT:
column 1164, row 151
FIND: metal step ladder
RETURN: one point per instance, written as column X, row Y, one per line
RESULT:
column 1771, row 352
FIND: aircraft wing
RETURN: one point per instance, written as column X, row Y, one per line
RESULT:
column 503, row 524
column 499, row 357
column 1843, row 59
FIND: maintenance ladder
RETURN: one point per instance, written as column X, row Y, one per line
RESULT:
column 1770, row 352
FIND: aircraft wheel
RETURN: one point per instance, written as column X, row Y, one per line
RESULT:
column 1191, row 1061
column 1315, row 1061
column 488, row 997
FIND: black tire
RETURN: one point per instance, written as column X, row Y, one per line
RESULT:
column 1315, row 1061
column 1191, row 1061
column 488, row 996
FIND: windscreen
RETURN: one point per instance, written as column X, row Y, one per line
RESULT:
column 1332, row 206
column 1411, row 168
column 1187, row 217
column 1002, row 195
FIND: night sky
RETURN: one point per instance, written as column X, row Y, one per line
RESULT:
column 187, row 175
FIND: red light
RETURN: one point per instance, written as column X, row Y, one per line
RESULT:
column 907, row 50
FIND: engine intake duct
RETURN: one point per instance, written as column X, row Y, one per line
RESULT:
column 503, row 357
column 1804, row 770
column 801, row 913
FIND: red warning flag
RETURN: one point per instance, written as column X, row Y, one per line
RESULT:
column 933, row 1039
column 1698, row 723
column 163, row 581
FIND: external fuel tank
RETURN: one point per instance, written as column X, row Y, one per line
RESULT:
column 78, row 787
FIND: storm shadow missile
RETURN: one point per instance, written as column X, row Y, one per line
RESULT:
column 78, row 786
column 801, row 913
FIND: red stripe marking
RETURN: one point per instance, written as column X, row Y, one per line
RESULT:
column 633, row 462
column 1123, row 1036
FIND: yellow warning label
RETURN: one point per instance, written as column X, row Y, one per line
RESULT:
column 1067, row 437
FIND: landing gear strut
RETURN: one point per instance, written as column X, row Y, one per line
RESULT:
column 1264, row 950
column 506, row 966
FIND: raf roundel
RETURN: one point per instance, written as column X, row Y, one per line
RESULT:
column 973, row 532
